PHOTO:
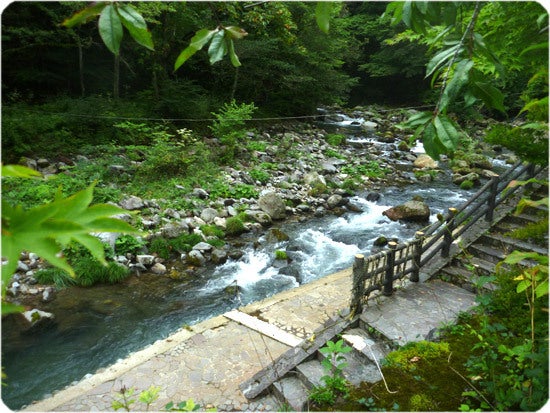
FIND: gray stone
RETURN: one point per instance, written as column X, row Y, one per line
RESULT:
column 200, row 193
column 132, row 203
column 42, row 163
column 273, row 205
column 220, row 222
column 145, row 260
column 202, row 247
column 409, row 211
column 21, row 266
column 158, row 268
column 219, row 256
column 313, row 179
column 208, row 215
column 335, row 201
column 260, row 217
column 174, row 229
column 195, row 258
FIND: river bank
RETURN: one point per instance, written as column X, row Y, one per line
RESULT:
column 96, row 326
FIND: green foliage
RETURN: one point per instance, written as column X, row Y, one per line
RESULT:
column 334, row 364
column 161, row 247
column 335, row 139
column 221, row 43
column 259, row 175
column 372, row 169
column 281, row 255
column 466, row 184
column 407, row 356
column 128, row 244
column 234, row 226
column 212, row 231
column 48, row 228
column 112, row 18
column 231, row 118
column 221, row 189
column 421, row 403
column 530, row 145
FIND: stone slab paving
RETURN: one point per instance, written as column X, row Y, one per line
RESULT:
column 208, row 362
column 412, row 312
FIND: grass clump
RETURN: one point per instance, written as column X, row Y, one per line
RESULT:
column 335, row 139
column 234, row 226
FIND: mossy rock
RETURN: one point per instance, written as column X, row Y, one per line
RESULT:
column 421, row 403
column 234, row 226
column 467, row 184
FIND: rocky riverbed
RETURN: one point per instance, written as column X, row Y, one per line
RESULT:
column 313, row 177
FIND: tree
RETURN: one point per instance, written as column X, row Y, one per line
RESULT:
column 464, row 68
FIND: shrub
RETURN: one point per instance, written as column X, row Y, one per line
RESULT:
column 335, row 139
column 234, row 226
column 161, row 247
column 128, row 244
column 185, row 242
column 259, row 175
column 212, row 231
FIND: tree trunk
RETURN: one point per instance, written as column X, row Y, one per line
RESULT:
column 116, row 77
column 81, row 67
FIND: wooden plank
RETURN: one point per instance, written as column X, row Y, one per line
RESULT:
column 264, row 328
column 291, row 358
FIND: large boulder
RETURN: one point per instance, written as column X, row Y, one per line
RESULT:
column 415, row 211
column 273, row 205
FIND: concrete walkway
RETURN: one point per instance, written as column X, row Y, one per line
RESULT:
column 208, row 362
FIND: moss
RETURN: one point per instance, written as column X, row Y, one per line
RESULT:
column 467, row 184
column 421, row 403
column 281, row 255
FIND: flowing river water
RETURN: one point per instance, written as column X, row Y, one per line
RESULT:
column 97, row 326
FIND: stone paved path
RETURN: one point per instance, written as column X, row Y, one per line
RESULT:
column 209, row 362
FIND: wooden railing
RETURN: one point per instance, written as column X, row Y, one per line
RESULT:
column 379, row 271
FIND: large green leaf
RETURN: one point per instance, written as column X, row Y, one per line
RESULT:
column 218, row 48
column 19, row 171
column 46, row 229
column 457, row 81
column 431, row 144
column 439, row 59
column 232, row 55
column 322, row 15
column 198, row 41
column 110, row 28
column 490, row 95
column 136, row 25
column 446, row 132
column 84, row 15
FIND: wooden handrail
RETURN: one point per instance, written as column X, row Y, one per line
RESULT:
column 378, row 271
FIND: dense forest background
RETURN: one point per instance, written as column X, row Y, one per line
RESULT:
column 62, row 87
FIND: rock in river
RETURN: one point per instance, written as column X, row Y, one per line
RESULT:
column 416, row 211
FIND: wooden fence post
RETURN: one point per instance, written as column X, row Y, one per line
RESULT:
column 358, row 286
column 417, row 255
column 388, row 279
column 448, row 235
column 492, row 200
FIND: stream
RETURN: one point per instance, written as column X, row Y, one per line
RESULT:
column 97, row 326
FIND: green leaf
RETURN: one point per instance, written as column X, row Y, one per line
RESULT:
column 539, row 46
column 199, row 40
column 322, row 15
column 8, row 308
column 232, row 55
column 235, row 32
column 490, row 95
column 19, row 171
column 136, row 26
column 458, row 80
column 110, row 28
column 395, row 9
column 84, row 15
column 218, row 48
column 407, row 13
column 431, row 144
column 439, row 59
column 446, row 132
